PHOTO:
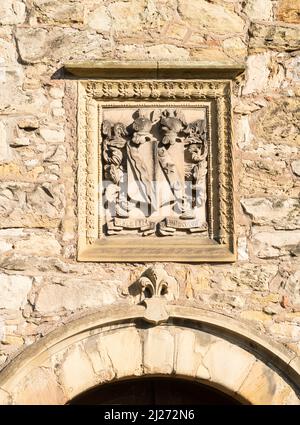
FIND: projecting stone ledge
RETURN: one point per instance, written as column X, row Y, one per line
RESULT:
column 155, row 69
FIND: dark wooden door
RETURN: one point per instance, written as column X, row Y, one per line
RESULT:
column 154, row 391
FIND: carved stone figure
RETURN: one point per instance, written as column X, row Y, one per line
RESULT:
column 155, row 165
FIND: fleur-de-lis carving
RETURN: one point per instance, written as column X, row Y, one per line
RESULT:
column 156, row 287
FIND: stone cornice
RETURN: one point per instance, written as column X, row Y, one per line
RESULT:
column 154, row 69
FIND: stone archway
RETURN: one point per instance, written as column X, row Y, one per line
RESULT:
column 118, row 343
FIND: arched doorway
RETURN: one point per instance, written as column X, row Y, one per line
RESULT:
column 118, row 343
column 154, row 391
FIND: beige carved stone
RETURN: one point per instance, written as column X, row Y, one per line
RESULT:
column 156, row 288
column 155, row 176
column 113, row 344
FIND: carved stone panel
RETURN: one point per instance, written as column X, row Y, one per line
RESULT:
column 155, row 171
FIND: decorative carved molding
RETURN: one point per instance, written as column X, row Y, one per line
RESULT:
column 134, row 133
column 157, row 287
column 184, row 89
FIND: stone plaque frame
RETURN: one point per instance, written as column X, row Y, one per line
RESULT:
column 215, row 97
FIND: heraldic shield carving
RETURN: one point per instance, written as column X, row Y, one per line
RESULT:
column 155, row 176
column 154, row 167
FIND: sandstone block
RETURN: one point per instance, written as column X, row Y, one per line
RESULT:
column 98, row 356
column 257, row 73
column 57, row 12
column 28, row 124
column 126, row 16
column 75, row 294
column 258, row 10
column 76, row 372
column 157, row 52
column 59, row 44
column 99, row 19
column 228, row 365
column 242, row 248
column 30, row 205
column 274, row 243
column 210, row 17
column 39, row 387
column 191, row 348
column 277, row 122
column 44, row 245
column 158, row 360
column 243, row 132
column 296, row 167
column 262, row 386
column 292, row 287
column 285, row 331
column 281, row 213
column 5, row 246
column 280, row 38
column 5, row 151
column 50, row 135
column 235, row 48
column 12, row 12
column 288, row 11
column 257, row 316
column 124, row 351
column 14, row 290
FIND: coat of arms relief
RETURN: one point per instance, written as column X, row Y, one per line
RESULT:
column 154, row 167
column 155, row 170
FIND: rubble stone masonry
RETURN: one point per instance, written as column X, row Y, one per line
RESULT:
column 42, row 285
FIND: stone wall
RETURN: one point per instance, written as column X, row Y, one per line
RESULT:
column 41, row 283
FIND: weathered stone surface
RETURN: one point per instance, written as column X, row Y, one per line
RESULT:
column 12, row 12
column 56, row 12
column 5, row 151
column 44, row 244
column 5, row 246
column 235, row 48
column 296, row 167
column 255, row 315
column 158, row 361
column 281, row 213
column 263, row 177
column 125, row 352
column 99, row 19
column 43, row 382
column 28, row 124
column 257, row 73
column 243, row 132
column 264, row 388
column 256, row 277
column 243, row 254
column 258, row 10
column 278, row 122
column 76, row 372
column 192, row 346
column 210, row 17
column 292, row 287
column 28, row 205
column 288, row 11
column 14, row 291
column 74, row 294
column 281, row 38
column 219, row 356
column 99, row 357
column 59, row 44
column 52, row 135
column 38, row 162
column 159, row 51
column 285, row 331
column 126, row 16
column 268, row 244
